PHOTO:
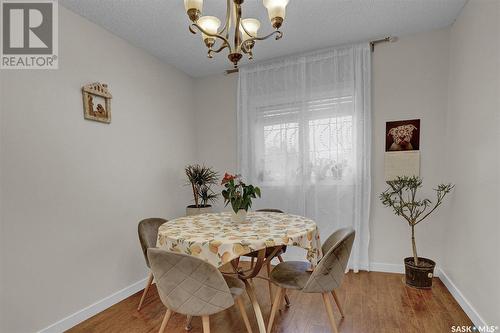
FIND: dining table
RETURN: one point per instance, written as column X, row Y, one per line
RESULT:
column 215, row 238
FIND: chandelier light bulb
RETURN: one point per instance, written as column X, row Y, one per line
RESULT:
column 193, row 9
column 193, row 4
column 276, row 11
column 210, row 24
column 252, row 26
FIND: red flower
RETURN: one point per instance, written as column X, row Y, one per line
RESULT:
column 227, row 178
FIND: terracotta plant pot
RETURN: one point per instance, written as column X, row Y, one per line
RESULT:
column 419, row 276
column 239, row 217
column 193, row 210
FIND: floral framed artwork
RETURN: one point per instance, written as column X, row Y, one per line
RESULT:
column 97, row 102
column 402, row 135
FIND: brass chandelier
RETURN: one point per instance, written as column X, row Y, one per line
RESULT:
column 245, row 30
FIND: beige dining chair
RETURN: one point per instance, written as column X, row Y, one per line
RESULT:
column 193, row 287
column 148, row 234
column 325, row 278
column 269, row 252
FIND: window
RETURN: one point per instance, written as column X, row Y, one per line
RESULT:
column 324, row 138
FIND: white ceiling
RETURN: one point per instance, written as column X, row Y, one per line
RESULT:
column 161, row 26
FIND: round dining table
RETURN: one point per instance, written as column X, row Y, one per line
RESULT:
column 214, row 238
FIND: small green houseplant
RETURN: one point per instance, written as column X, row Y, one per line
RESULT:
column 401, row 196
column 201, row 179
column 239, row 195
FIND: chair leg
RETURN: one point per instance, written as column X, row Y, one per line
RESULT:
column 148, row 284
column 188, row 323
column 243, row 312
column 165, row 321
column 268, row 268
column 274, row 309
column 338, row 303
column 287, row 300
column 329, row 311
column 206, row 324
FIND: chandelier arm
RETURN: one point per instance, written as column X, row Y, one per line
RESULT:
column 222, row 47
column 278, row 34
column 237, row 35
column 228, row 18
column 196, row 25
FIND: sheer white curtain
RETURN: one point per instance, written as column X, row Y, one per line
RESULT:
column 304, row 135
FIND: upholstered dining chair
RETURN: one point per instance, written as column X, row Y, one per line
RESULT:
column 148, row 233
column 269, row 252
column 325, row 278
column 191, row 286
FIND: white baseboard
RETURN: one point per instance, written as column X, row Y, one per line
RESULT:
column 99, row 306
column 93, row 309
column 461, row 300
column 387, row 268
column 452, row 288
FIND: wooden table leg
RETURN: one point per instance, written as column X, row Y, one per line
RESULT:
column 256, row 307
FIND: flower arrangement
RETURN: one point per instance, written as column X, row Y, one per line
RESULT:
column 237, row 193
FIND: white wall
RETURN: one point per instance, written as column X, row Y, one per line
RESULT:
column 472, row 255
column 73, row 190
column 215, row 105
column 410, row 81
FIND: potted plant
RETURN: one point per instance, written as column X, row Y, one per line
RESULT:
column 201, row 179
column 401, row 197
column 239, row 195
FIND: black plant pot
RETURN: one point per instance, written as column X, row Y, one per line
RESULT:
column 419, row 276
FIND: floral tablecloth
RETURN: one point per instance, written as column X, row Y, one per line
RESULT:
column 214, row 238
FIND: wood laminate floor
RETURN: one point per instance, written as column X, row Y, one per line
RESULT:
column 372, row 302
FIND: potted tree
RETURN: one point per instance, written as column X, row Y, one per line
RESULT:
column 239, row 195
column 401, row 197
column 201, row 179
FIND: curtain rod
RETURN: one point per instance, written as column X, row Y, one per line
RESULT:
column 389, row 39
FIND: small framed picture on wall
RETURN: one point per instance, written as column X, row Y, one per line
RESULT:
column 97, row 102
column 402, row 135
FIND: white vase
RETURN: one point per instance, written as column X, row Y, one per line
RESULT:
column 239, row 217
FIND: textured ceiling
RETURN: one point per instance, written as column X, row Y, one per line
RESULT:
column 161, row 26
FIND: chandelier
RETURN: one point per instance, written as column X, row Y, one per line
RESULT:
column 245, row 30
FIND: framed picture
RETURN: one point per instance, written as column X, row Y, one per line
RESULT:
column 97, row 102
column 402, row 135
